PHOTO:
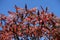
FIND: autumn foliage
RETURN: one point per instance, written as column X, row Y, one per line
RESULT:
column 31, row 23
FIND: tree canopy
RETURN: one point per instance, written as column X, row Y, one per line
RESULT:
column 33, row 23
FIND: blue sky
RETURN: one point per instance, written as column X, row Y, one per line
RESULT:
column 8, row 5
